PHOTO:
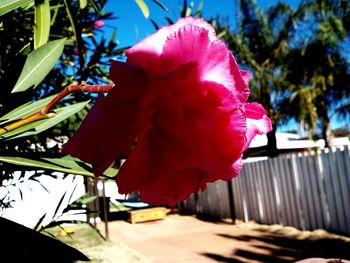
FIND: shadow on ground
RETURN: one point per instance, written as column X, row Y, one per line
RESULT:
column 271, row 248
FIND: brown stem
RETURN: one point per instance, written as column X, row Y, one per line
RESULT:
column 44, row 112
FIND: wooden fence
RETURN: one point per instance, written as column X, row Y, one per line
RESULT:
column 308, row 190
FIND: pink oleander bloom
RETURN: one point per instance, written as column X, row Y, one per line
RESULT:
column 178, row 109
column 99, row 24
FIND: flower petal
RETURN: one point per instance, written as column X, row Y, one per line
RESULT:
column 88, row 144
column 216, row 63
column 146, row 54
column 111, row 127
column 257, row 121
column 154, row 164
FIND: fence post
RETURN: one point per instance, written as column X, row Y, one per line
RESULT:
column 230, row 196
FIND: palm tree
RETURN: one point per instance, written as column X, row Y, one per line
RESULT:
column 318, row 68
column 261, row 43
column 298, row 69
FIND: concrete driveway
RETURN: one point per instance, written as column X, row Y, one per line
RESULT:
column 182, row 239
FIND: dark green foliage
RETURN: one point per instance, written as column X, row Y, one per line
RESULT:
column 22, row 244
column 85, row 56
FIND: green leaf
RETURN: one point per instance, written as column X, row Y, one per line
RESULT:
column 9, row 5
column 110, row 172
column 22, row 131
column 42, row 125
column 82, row 4
column 62, row 114
column 83, row 200
column 143, row 7
column 25, row 50
column 41, row 164
column 66, row 164
column 70, row 162
column 222, row 34
column 55, row 10
column 25, row 110
column 77, row 165
column 42, row 23
column 38, row 65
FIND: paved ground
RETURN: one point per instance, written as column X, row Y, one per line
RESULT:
column 188, row 239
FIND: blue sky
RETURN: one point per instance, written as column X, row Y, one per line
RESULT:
column 132, row 26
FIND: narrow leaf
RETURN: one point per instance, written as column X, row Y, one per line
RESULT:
column 54, row 164
column 83, row 200
column 62, row 114
column 40, row 221
column 42, row 125
column 77, row 165
column 22, row 131
column 41, row 165
column 55, row 10
column 154, row 24
column 76, row 30
column 25, row 50
column 143, row 7
column 69, row 162
column 25, row 110
column 59, row 204
column 170, row 21
column 42, row 23
column 72, row 193
column 38, row 65
column 9, row 5
column 82, row 4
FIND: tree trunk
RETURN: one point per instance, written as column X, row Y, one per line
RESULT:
column 271, row 147
column 327, row 135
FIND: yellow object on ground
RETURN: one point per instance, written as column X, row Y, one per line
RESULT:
column 147, row 214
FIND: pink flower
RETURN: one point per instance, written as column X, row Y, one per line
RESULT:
column 99, row 24
column 178, row 109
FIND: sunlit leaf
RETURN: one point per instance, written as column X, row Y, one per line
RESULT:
column 41, row 164
column 143, row 7
column 62, row 114
column 70, row 162
column 222, row 34
column 25, row 110
column 38, row 65
column 55, row 10
column 22, row 131
column 76, row 30
column 82, row 4
column 9, row 5
column 42, row 125
column 41, row 23
column 65, row 164
column 77, row 165
column 199, row 9
column 83, row 200
column 25, row 50
column 110, row 172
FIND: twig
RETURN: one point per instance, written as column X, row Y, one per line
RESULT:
column 44, row 113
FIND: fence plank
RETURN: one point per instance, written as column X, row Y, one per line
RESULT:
column 344, row 188
column 298, row 194
column 306, row 190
